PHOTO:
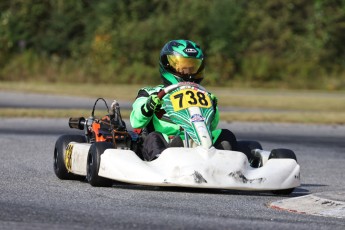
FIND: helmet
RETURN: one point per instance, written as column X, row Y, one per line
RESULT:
column 181, row 60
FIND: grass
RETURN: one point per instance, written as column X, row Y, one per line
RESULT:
column 291, row 100
column 267, row 105
column 290, row 117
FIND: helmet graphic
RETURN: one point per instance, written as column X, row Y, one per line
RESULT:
column 181, row 60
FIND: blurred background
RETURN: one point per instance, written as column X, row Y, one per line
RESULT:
column 294, row 44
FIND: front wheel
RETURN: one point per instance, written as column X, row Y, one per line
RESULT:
column 93, row 162
column 283, row 191
column 283, row 154
column 60, row 169
column 246, row 147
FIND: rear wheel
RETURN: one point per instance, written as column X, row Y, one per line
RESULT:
column 93, row 162
column 283, row 154
column 59, row 156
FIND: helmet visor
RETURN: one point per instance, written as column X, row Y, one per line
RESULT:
column 184, row 66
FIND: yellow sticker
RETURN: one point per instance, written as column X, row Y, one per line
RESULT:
column 186, row 98
column 68, row 157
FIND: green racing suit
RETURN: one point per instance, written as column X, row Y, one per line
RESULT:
column 141, row 118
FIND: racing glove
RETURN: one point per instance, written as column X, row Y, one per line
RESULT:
column 153, row 104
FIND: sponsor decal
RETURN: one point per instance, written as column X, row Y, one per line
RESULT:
column 68, row 157
column 197, row 118
column 190, row 50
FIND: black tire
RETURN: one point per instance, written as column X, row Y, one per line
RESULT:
column 246, row 147
column 283, row 154
column 226, row 140
column 93, row 162
column 283, row 192
column 59, row 156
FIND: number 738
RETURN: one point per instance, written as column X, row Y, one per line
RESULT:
column 188, row 97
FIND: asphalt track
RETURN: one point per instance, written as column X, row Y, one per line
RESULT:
column 32, row 197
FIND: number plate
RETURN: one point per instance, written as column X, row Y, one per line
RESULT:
column 186, row 98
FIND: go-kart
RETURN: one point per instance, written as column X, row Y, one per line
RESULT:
column 108, row 152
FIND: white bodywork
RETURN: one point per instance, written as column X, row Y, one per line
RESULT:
column 79, row 158
column 201, row 168
column 191, row 167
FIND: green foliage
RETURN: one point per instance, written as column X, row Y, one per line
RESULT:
column 294, row 43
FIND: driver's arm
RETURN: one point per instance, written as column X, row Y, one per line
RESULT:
column 215, row 121
column 137, row 118
column 143, row 108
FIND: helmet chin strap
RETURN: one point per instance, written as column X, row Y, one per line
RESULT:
column 185, row 78
column 190, row 78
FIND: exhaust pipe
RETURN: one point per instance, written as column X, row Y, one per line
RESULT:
column 76, row 123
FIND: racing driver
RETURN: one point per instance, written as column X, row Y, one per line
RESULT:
column 180, row 61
